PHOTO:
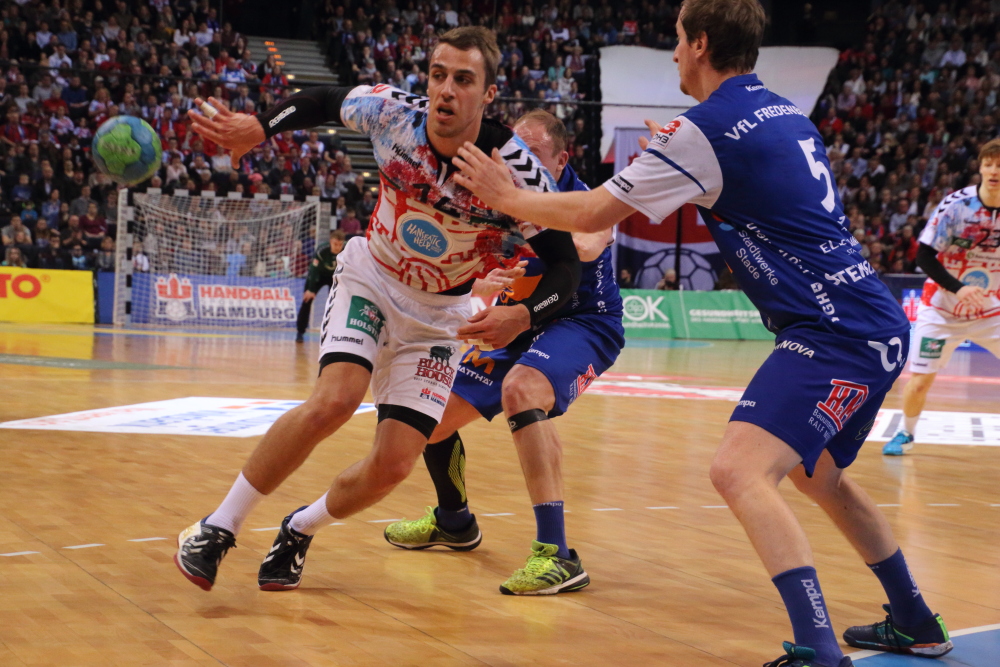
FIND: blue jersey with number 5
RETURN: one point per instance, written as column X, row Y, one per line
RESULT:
column 757, row 168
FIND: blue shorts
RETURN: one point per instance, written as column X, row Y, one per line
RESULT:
column 571, row 352
column 822, row 391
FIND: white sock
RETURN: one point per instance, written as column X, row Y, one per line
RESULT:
column 910, row 424
column 234, row 510
column 312, row 518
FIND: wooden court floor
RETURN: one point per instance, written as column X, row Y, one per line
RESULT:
column 675, row 581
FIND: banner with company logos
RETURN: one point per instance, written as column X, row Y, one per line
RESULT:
column 41, row 295
column 199, row 300
column 725, row 315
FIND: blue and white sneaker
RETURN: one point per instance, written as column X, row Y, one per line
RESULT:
column 901, row 443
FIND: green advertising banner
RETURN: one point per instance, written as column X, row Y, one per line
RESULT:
column 726, row 315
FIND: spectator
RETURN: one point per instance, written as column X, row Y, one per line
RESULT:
column 350, row 224
column 104, row 260
column 669, row 281
column 78, row 259
column 625, row 279
column 94, row 226
column 13, row 257
column 140, row 260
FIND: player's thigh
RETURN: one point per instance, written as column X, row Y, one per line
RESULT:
column 571, row 353
column 749, row 453
column 480, row 377
column 457, row 414
column 813, row 384
column 986, row 334
column 933, row 344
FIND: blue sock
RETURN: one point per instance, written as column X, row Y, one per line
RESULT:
column 806, row 608
column 453, row 520
column 908, row 607
column 551, row 529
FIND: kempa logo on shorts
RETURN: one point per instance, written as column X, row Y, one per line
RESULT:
column 281, row 116
column 820, row 619
column 931, row 348
column 364, row 315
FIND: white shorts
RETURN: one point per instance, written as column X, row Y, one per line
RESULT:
column 406, row 336
column 936, row 337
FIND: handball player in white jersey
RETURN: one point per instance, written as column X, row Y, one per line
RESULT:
column 399, row 298
column 960, row 253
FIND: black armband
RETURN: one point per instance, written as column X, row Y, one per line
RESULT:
column 927, row 260
column 561, row 277
column 309, row 108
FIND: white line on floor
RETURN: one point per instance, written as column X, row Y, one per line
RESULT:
column 664, row 507
column 148, row 539
column 261, row 530
column 19, row 553
column 384, row 520
column 943, row 505
column 337, row 524
column 84, row 546
column 715, row 507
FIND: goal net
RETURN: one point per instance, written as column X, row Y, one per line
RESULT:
column 205, row 261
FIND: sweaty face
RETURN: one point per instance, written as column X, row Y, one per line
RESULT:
column 456, row 90
column 541, row 144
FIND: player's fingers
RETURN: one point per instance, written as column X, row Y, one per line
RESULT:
column 467, row 155
column 462, row 164
column 643, row 143
column 220, row 107
column 653, row 126
column 498, row 158
column 462, row 179
column 234, row 160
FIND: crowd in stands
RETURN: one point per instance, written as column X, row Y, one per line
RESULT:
column 904, row 115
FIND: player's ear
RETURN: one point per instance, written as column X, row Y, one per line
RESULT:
column 490, row 93
column 563, row 159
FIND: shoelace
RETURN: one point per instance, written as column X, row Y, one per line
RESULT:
column 536, row 564
column 424, row 524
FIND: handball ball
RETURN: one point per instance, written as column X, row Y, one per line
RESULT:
column 126, row 149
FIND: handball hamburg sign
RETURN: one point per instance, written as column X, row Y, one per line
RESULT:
column 193, row 299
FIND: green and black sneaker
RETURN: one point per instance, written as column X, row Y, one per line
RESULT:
column 803, row 656
column 929, row 639
column 424, row 532
column 545, row 573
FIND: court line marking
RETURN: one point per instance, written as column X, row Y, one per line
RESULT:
column 19, row 553
column 148, row 539
column 664, row 507
column 338, row 523
column 385, row 520
column 261, row 530
column 715, row 507
column 943, row 505
column 858, row 655
column 84, row 546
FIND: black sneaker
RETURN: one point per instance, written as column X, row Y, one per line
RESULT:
column 803, row 656
column 200, row 549
column 929, row 639
column 282, row 568
column 299, row 338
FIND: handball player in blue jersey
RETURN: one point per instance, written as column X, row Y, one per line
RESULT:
column 535, row 377
column 757, row 167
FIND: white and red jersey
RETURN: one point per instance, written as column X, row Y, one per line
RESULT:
column 428, row 231
column 966, row 235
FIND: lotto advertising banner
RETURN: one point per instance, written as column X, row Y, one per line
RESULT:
column 31, row 295
column 682, row 314
column 215, row 300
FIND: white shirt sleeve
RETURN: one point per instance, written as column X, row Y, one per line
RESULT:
column 677, row 168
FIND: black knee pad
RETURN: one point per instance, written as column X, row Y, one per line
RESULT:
column 526, row 418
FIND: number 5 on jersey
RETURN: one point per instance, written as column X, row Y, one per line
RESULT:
column 820, row 173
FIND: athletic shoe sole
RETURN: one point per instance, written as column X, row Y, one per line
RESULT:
column 278, row 587
column 454, row 546
column 581, row 580
column 200, row 582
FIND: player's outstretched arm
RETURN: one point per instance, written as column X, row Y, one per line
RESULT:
column 582, row 211
column 239, row 132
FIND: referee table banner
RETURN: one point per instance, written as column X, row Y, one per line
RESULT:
column 43, row 295
column 724, row 315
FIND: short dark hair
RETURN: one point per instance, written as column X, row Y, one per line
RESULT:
column 734, row 28
column 553, row 127
column 479, row 38
column 990, row 150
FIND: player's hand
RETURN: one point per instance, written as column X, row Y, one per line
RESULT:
column 496, row 326
column 654, row 127
column 236, row 132
column 488, row 178
column 497, row 279
column 308, row 296
column 972, row 299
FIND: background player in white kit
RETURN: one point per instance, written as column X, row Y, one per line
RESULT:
column 960, row 253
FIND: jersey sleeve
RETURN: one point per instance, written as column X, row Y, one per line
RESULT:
column 678, row 167
column 940, row 229
column 528, row 173
column 365, row 106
